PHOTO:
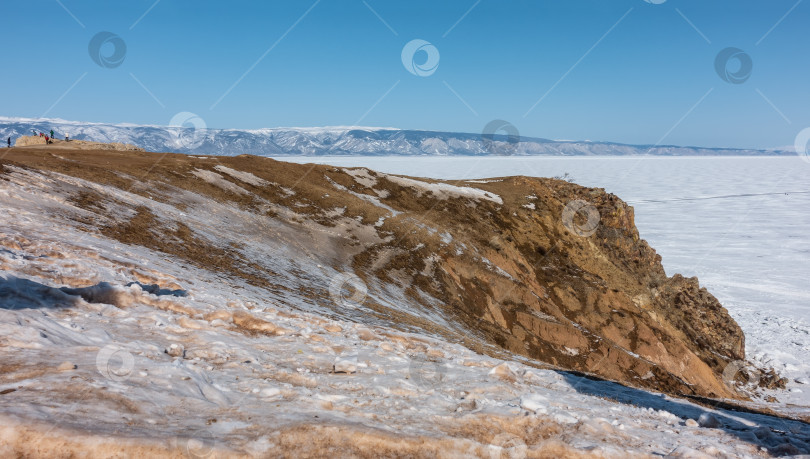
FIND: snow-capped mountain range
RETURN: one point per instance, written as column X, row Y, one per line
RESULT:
column 338, row 141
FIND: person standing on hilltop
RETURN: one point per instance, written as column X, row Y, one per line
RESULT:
column 52, row 133
column 67, row 137
column 9, row 142
column 47, row 139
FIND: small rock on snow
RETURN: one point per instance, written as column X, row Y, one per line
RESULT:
column 708, row 420
column 467, row 405
column 346, row 364
column 176, row 350
column 504, row 372
column 66, row 366
column 534, row 402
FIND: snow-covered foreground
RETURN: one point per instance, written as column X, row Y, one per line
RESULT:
column 739, row 224
column 208, row 366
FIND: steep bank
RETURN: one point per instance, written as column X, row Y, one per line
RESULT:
column 509, row 262
column 178, row 306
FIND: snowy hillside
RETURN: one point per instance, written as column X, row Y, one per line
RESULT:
column 337, row 141
column 229, row 307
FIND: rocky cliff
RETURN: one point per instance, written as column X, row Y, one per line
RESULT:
column 540, row 269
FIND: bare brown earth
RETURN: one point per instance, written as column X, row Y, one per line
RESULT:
column 514, row 275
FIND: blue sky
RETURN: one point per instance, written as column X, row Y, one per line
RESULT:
column 621, row 70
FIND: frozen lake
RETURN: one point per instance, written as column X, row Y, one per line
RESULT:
column 739, row 224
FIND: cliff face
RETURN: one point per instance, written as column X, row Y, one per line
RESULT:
column 541, row 268
column 558, row 273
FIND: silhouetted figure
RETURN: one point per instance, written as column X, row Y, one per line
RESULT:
column 9, row 142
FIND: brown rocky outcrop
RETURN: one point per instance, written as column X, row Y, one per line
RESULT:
column 537, row 267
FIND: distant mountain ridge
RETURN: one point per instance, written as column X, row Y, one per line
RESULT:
column 342, row 141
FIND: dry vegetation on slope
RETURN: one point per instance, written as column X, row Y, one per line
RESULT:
column 496, row 265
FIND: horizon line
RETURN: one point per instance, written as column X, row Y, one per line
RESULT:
column 788, row 149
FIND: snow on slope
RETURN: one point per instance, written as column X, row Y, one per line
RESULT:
column 745, row 237
column 348, row 140
column 443, row 190
column 106, row 340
